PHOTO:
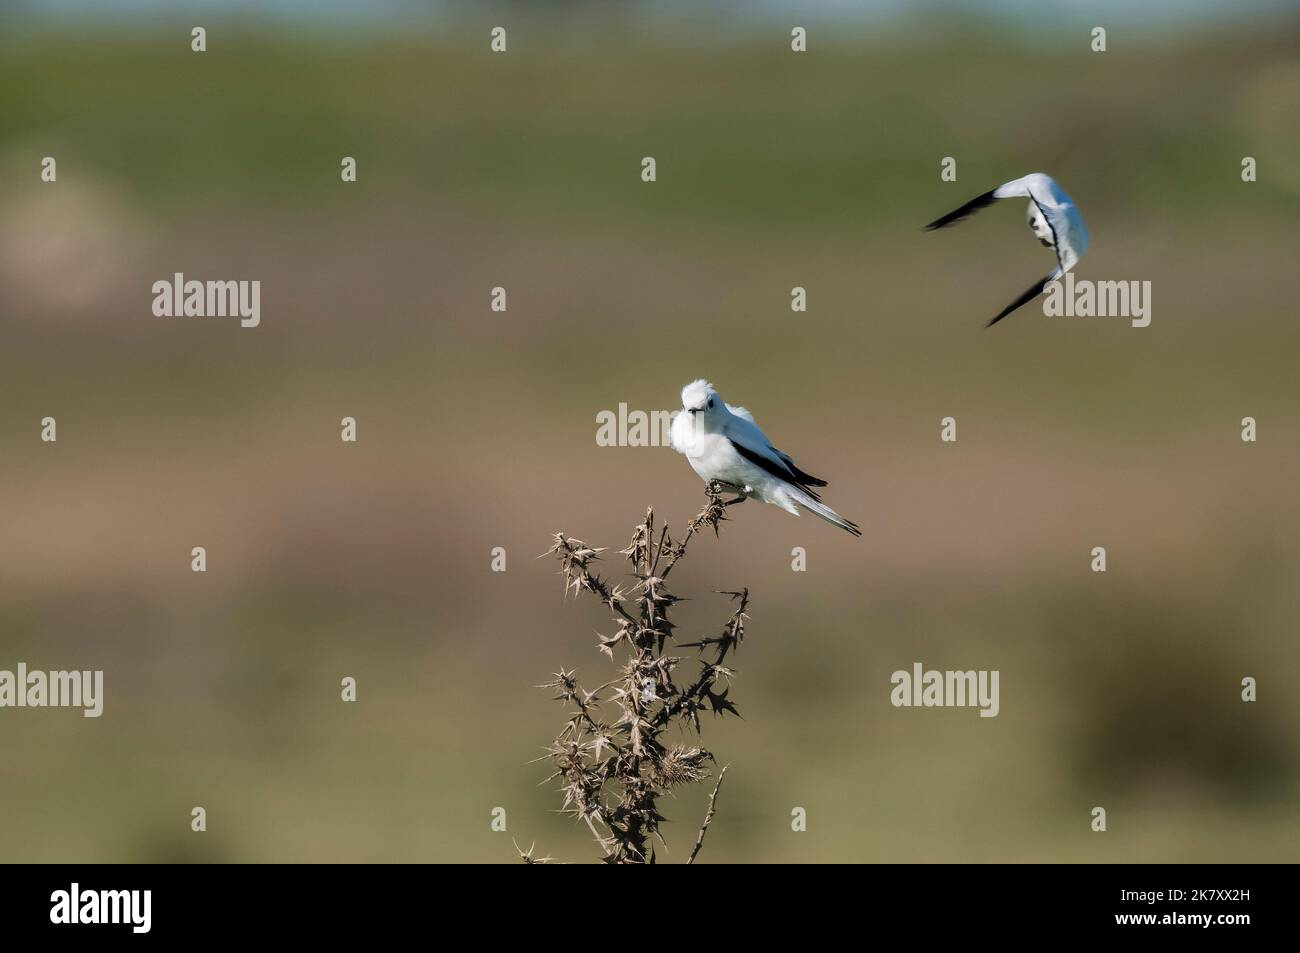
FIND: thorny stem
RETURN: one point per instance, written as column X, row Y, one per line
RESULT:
column 713, row 513
column 614, row 770
column 708, row 818
column 732, row 635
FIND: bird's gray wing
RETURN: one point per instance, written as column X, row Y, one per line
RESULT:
column 1062, row 216
column 805, row 479
column 1071, row 235
column 752, row 444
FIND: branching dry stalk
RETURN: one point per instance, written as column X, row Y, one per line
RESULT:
column 708, row 818
column 610, row 757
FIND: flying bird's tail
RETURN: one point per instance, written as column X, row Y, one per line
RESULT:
column 820, row 509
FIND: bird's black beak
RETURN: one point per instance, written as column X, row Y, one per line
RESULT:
column 693, row 410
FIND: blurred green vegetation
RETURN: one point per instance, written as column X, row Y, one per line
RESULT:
column 850, row 132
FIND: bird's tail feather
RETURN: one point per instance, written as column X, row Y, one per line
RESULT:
column 819, row 509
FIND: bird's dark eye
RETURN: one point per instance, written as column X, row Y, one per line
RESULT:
column 710, row 401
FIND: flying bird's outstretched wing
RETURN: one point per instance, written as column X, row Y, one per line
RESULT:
column 1032, row 292
column 1016, row 188
column 967, row 210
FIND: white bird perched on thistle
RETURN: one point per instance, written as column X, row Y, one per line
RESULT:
column 724, row 444
column 1052, row 217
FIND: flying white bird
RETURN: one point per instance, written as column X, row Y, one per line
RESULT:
column 1053, row 218
column 723, row 443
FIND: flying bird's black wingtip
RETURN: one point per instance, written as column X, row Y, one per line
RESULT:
column 1005, row 311
column 852, row 527
column 956, row 215
column 1032, row 292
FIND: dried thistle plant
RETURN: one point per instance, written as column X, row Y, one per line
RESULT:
column 611, row 757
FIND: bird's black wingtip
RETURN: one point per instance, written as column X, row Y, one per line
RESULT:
column 957, row 214
column 1032, row 292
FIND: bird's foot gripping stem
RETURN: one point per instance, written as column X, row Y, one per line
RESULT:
column 716, row 488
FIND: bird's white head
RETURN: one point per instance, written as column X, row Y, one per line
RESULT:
column 701, row 401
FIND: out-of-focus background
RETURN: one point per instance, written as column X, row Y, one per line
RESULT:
column 477, row 429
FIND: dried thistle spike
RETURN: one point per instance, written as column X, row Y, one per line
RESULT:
column 682, row 765
column 527, row 855
column 638, row 550
column 609, row 758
